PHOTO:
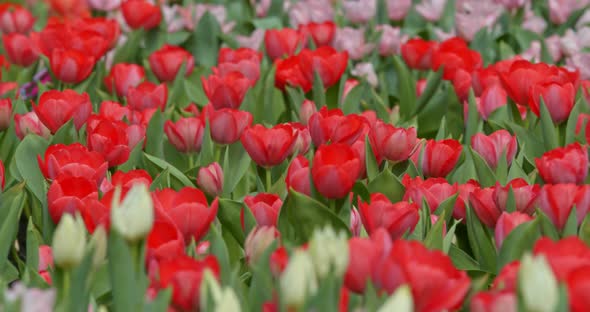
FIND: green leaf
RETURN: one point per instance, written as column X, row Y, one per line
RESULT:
column 123, row 276
column 584, row 233
column 473, row 120
column 480, row 242
column 155, row 135
column 319, row 94
column 351, row 103
column 547, row 227
column 65, row 134
column 548, row 128
column 261, row 279
column 134, row 159
column 449, row 237
column 461, row 260
column 446, row 208
column 301, row 215
column 229, row 216
column 486, row 176
column 521, row 239
column 207, row 154
column 34, row 240
column 178, row 178
column 128, row 51
column 11, row 205
column 25, row 158
column 441, row 134
column 571, row 225
column 161, row 302
column 434, row 238
column 406, row 87
column 219, row 249
column 265, row 105
column 195, row 93
column 370, row 160
column 432, row 84
column 389, row 185
column 204, row 42
column 177, row 91
column 236, row 165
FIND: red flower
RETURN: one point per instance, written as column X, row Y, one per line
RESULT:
column 303, row 140
column 322, row 34
column 440, row 157
column 165, row 240
column 227, row 125
column 289, row 72
column 5, row 113
column 73, row 160
column 491, row 99
column 141, row 14
column 484, row 206
column 506, row 223
column 186, row 135
column 391, row 143
column 69, row 194
column 226, row 91
column 524, row 195
column 520, row 77
column 465, row 190
column 491, row 301
column 278, row 261
column 71, row 66
column 227, row 55
column 108, row 29
column 167, row 61
column 577, row 286
column 281, row 43
column 124, row 76
column 109, row 138
column 362, row 255
column 29, row 123
column 326, row 61
column 396, row 219
column 15, row 19
column 559, row 99
column 126, row 180
column 493, row 146
column 433, row 190
column 248, row 68
column 20, row 49
column 185, row 275
column 417, row 53
column 557, row 201
column 298, row 176
column 564, row 165
column 269, row 147
column 330, row 125
column 210, row 179
column 55, row 108
column 454, row 55
column 147, row 95
column 335, row 169
column 265, row 208
column 564, row 256
column 189, row 210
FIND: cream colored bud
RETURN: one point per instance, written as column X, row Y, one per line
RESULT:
column 224, row 300
column 69, row 242
column 98, row 243
column 329, row 252
column 538, row 284
column 298, row 281
column 134, row 217
column 400, row 301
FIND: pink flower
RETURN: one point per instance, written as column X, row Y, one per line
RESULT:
column 366, row 70
column 512, row 4
column 359, row 11
column 261, row 7
column 553, row 44
column 391, row 40
column 560, row 10
column 533, row 22
column 104, row 5
column 431, row 10
column 310, row 11
column 352, row 40
column 192, row 15
column 253, row 41
column 398, row 9
column 581, row 62
column 473, row 15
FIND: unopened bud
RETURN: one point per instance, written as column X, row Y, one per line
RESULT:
column 134, row 217
column 69, row 242
column 210, row 179
column 329, row 252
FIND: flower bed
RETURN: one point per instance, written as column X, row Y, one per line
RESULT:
column 312, row 155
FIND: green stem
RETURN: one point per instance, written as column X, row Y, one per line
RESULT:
column 66, row 284
column 191, row 160
column 332, row 205
column 268, row 180
column 218, row 152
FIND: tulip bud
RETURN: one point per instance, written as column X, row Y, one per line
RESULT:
column 400, row 301
column 298, row 281
column 259, row 239
column 329, row 252
column 307, row 109
column 69, row 242
column 224, row 300
column 210, row 179
column 134, row 217
column 538, row 285
column 98, row 243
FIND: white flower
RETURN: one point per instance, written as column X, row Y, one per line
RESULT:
column 298, row 281
column 134, row 217
column 400, row 301
column 538, row 285
column 329, row 252
column 69, row 242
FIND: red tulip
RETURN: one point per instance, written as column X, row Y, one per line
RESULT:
column 559, row 99
column 492, row 301
column 30, row 123
column 578, row 283
column 55, row 108
column 189, row 210
column 433, row 190
column 417, row 53
column 165, row 242
column 227, row 125
column 524, row 195
column 491, row 99
column 335, row 169
column 227, row 55
column 114, row 111
column 109, row 138
column 147, row 95
column 556, row 201
column 564, row 165
column 326, row 61
column 210, row 179
column 564, row 256
column 303, row 138
column 185, row 275
column 440, row 157
column 298, row 175
column 454, row 56
column 5, row 113
column 289, row 72
column 20, row 49
column 269, row 147
column 226, row 91
column 141, row 14
column 108, row 29
column 124, row 76
column 506, row 223
column 307, row 109
column 74, row 160
column 520, row 77
column 265, row 208
column 69, row 194
column 494, row 146
column 15, row 19
column 250, row 69
column 484, row 206
column 167, row 61
column 362, row 253
column 281, row 43
column 71, row 66
column 330, row 125
column 465, row 190
column 126, row 180
column 391, row 143
column 582, row 123
column 397, row 218
column 322, row 34
column 507, row 279
column 582, row 202
column 186, row 134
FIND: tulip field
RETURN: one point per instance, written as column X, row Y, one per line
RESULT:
column 294, row 155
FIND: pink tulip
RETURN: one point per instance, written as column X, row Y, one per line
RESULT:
column 492, row 147
column 431, row 10
column 359, row 11
column 352, row 40
column 398, row 9
column 210, row 179
column 506, row 223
